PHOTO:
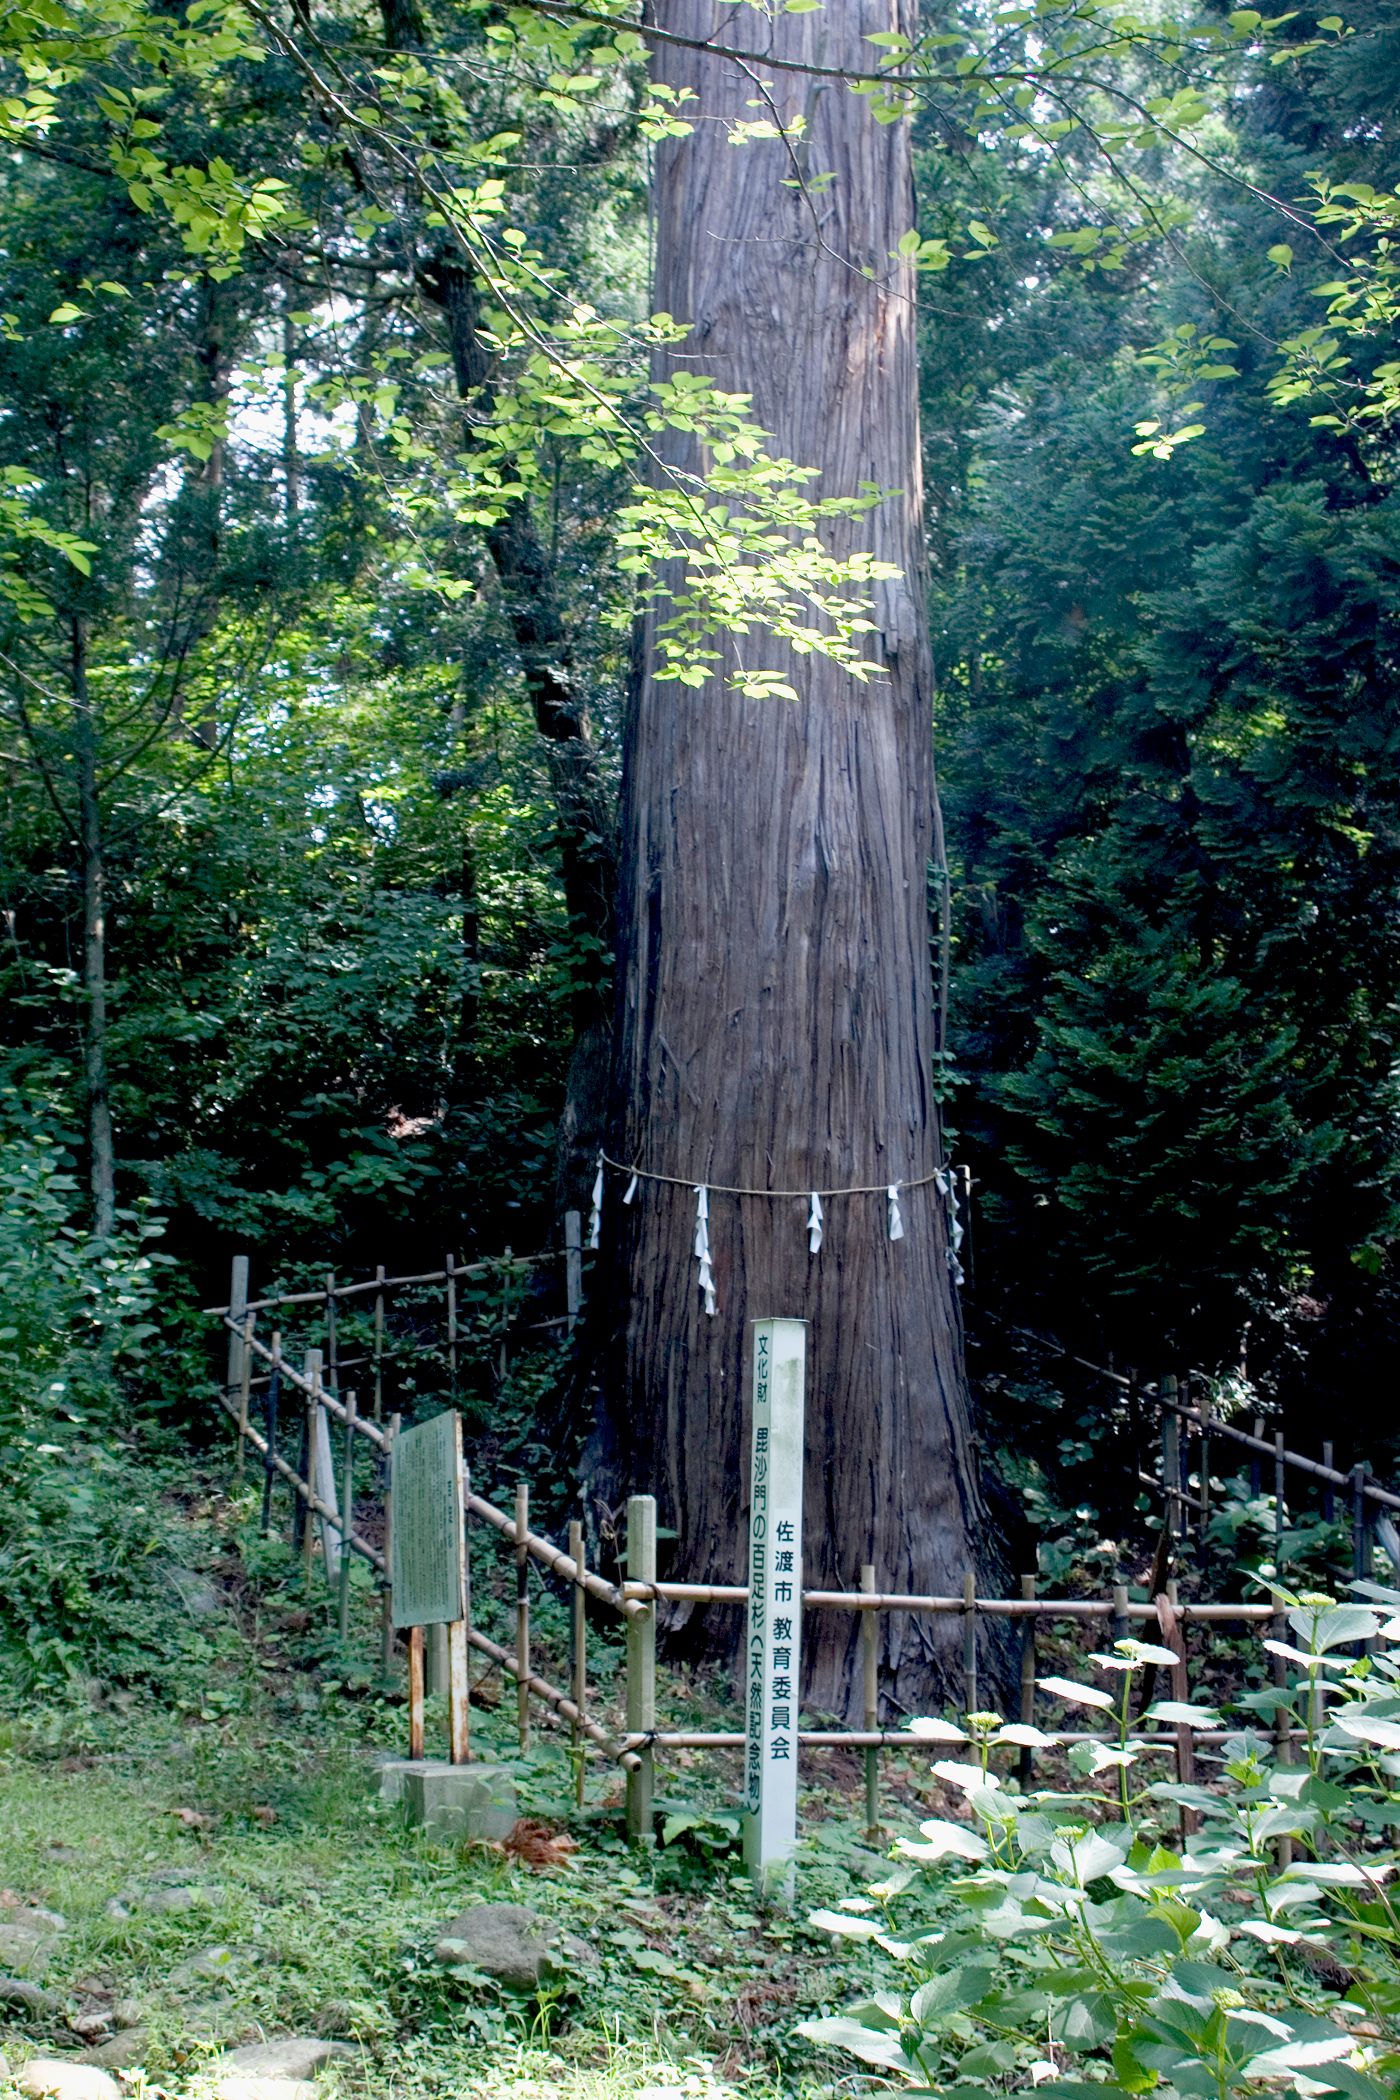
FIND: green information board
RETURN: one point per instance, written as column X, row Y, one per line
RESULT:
column 428, row 1544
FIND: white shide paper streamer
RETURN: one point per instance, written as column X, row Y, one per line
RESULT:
column 948, row 1190
column 814, row 1225
column 595, row 1221
column 896, row 1222
column 705, row 1278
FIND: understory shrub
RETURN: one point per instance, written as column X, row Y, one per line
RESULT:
column 1083, row 1949
column 86, row 1548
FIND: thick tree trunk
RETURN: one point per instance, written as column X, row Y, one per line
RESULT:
column 102, row 1164
column 777, row 1009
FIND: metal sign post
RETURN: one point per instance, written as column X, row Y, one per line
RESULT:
column 773, row 1652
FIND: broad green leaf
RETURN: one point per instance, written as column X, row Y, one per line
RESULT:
column 1368, row 1728
column 1075, row 1694
column 1183, row 1716
column 884, row 2050
column 842, row 1922
column 943, row 1840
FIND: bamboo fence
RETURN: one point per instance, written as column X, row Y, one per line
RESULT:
column 313, row 1392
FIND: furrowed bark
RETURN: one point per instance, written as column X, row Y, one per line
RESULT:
column 777, row 1011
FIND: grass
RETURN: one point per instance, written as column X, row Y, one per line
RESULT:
column 318, row 1909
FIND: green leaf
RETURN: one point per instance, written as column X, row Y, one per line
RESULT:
column 951, row 1991
column 840, row 1921
column 62, row 315
column 885, row 2050
column 1075, row 1694
column 1181, row 1715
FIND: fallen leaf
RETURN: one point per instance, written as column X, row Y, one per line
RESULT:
column 192, row 1818
column 537, row 1844
column 261, row 1813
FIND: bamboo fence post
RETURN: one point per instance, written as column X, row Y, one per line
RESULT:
column 311, row 1371
column 1283, row 1718
column 573, row 1265
column 1181, row 1689
column 1329, row 1503
column 522, row 1616
column 274, row 1395
column 1204, row 1406
column 459, row 1726
column 378, row 1346
column 347, row 1515
column 415, row 1691
column 1134, row 1402
column 641, row 1666
column 237, row 1312
column 970, row 1641
column 870, row 1659
column 386, row 1595
column 1360, row 1525
column 450, row 1271
column 1280, row 1491
column 506, row 1260
column 1122, row 1625
column 459, row 1723
column 578, row 1681
column 1028, row 1624
column 1256, row 1471
column 244, row 1383
column 1187, row 1429
column 1171, row 1458
column 332, row 1337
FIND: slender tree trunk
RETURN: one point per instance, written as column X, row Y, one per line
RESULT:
column 101, row 1149
column 777, row 1008
column 585, row 827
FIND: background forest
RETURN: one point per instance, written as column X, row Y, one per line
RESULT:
column 297, row 953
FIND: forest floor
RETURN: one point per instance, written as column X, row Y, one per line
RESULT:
column 180, row 1878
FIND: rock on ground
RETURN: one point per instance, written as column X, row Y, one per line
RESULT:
column 64, row 2078
column 289, row 2056
column 268, row 2089
column 120, row 2051
column 14, row 1990
column 514, row 1944
column 27, row 1935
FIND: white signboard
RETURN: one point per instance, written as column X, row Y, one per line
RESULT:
column 773, row 1655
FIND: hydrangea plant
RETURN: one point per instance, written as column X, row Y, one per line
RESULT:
column 1090, row 1952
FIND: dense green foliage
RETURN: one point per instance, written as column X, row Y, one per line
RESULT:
column 88, row 1556
column 1170, row 744
column 1080, row 1934
column 295, row 599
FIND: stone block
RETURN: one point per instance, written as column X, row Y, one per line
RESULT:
column 451, row 1801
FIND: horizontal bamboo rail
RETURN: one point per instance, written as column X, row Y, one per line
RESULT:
column 363, row 1426
column 325, row 1510
column 993, row 1607
column 563, row 1705
column 1211, row 1425
column 883, row 1739
column 550, row 1557
column 490, row 1266
column 538, row 1548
